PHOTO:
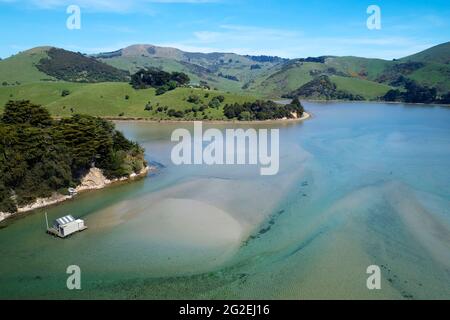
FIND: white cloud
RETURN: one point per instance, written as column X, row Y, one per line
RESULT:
column 247, row 39
column 295, row 44
column 243, row 34
column 116, row 6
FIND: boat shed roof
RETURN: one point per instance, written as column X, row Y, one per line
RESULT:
column 65, row 220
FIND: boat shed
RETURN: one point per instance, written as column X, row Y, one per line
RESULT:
column 66, row 226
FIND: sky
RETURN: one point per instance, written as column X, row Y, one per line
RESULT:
column 286, row 28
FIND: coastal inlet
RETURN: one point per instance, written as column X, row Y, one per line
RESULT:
column 355, row 188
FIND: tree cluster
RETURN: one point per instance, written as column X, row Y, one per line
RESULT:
column 322, row 87
column 415, row 93
column 159, row 79
column 40, row 156
column 263, row 110
column 76, row 67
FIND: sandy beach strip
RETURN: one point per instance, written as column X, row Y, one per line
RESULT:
column 306, row 115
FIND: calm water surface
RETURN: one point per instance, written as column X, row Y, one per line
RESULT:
column 360, row 184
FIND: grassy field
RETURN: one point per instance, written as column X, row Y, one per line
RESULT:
column 368, row 89
column 202, row 72
column 434, row 75
column 359, row 67
column 436, row 54
column 114, row 99
column 296, row 75
column 20, row 79
column 287, row 79
column 215, row 68
column 134, row 64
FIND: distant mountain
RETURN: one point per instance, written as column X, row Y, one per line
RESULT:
column 261, row 76
column 206, row 60
column 227, row 71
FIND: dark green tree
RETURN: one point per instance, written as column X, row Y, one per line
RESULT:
column 25, row 113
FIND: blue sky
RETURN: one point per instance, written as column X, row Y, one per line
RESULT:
column 287, row 28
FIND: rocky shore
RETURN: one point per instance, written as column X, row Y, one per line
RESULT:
column 93, row 180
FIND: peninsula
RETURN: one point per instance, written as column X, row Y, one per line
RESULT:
column 42, row 158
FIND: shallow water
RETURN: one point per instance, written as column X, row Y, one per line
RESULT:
column 359, row 184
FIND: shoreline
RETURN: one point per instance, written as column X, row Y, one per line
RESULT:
column 380, row 102
column 305, row 116
column 57, row 198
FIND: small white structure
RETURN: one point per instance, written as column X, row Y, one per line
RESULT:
column 72, row 191
column 65, row 226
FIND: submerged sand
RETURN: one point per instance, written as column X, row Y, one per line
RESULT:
column 201, row 222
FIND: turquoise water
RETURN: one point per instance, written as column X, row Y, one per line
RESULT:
column 360, row 184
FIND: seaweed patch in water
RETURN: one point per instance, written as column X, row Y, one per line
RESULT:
column 306, row 243
column 397, row 283
column 265, row 229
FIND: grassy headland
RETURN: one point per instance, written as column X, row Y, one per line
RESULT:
column 118, row 99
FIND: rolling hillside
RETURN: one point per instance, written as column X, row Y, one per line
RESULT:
column 119, row 100
column 356, row 86
column 51, row 64
column 50, row 69
column 369, row 78
column 436, row 67
column 288, row 78
column 226, row 71
column 436, row 54
column 21, row 68
column 347, row 73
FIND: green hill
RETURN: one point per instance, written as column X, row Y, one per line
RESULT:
column 368, row 89
column 50, row 64
column 70, row 66
column 257, row 76
column 356, row 67
column 343, row 72
column 433, row 75
column 197, row 74
column 436, row 67
column 22, row 67
column 369, row 78
column 120, row 100
column 288, row 78
column 225, row 71
column 436, row 54
column 338, row 88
